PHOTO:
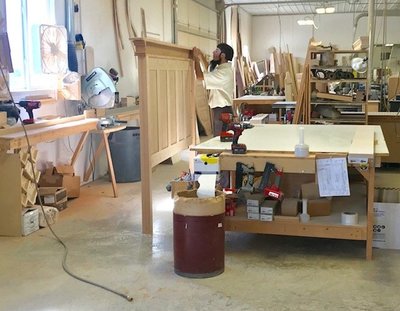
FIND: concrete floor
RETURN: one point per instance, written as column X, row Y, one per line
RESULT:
column 261, row 272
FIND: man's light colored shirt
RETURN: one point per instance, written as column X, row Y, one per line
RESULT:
column 221, row 85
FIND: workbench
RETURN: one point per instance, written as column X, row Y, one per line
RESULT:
column 11, row 141
column 275, row 143
column 104, row 133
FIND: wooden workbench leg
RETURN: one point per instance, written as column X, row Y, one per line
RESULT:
column 370, row 208
column 79, row 147
column 93, row 161
column 110, row 164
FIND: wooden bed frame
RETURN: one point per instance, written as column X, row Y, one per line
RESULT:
column 167, row 109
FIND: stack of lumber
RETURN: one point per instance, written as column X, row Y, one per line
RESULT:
column 284, row 66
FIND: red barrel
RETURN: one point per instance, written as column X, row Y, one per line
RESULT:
column 199, row 236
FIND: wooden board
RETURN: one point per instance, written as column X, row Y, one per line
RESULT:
column 202, row 108
column 343, row 98
column 14, row 138
column 10, row 193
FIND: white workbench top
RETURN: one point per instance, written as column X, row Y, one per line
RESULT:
column 283, row 138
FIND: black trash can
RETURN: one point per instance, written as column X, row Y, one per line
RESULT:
column 199, row 235
column 125, row 153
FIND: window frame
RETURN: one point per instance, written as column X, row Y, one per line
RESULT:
column 31, row 81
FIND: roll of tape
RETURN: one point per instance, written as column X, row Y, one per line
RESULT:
column 349, row 218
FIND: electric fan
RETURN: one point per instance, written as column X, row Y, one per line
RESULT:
column 53, row 48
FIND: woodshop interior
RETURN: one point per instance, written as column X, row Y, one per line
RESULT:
column 324, row 108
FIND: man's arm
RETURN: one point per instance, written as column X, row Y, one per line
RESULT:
column 200, row 63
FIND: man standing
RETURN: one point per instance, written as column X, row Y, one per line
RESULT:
column 219, row 80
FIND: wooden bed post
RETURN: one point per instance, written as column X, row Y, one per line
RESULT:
column 167, row 114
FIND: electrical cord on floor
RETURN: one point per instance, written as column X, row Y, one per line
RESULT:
column 64, row 261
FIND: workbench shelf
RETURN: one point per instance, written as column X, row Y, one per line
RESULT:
column 333, row 82
column 360, row 200
column 354, row 80
column 318, row 226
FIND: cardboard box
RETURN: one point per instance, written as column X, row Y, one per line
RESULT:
column 260, row 118
column 255, row 199
column 253, row 209
column 269, row 207
column 253, row 216
column 316, row 206
column 290, row 207
column 386, row 227
column 29, row 220
column 62, row 176
column 205, row 164
column 265, row 217
column 54, row 196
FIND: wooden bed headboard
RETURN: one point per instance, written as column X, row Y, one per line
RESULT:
column 167, row 109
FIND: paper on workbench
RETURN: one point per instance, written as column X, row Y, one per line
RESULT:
column 207, row 186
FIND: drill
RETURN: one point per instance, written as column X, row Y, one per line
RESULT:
column 227, row 119
column 29, row 105
column 237, row 129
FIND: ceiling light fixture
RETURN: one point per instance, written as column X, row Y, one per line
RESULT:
column 325, row 9
column 329, row 10
column 306, row 21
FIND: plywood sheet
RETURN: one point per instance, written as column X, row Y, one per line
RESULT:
column 283, row 138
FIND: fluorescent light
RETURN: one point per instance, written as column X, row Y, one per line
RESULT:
column 329, row 10
column 306, row 21
column 323, row 10
column 389, row 44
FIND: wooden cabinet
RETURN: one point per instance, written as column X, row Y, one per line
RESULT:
column 337, row 92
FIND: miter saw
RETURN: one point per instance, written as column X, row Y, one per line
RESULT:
column 98, row 91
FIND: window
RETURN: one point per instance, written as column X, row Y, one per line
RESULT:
column 23, row 20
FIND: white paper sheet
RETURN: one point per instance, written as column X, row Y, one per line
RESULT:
column 207, row 186
column 333, row 179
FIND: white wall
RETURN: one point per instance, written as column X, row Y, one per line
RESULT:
column 245, row 28
column 98, row 32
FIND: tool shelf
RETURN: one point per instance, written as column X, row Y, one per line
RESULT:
column 318, row 226
column 330, row 226
column 329, row 61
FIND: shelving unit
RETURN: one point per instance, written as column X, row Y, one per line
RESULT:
column 17, row 188
column 346, row 102
column 322, row 226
